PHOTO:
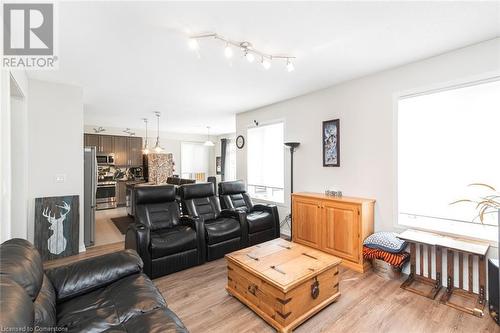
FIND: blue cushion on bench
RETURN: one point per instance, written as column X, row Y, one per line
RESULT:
column 386, row 241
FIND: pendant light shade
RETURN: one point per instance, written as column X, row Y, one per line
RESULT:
column 209, row 142
column 158, row 149
column 145, row 150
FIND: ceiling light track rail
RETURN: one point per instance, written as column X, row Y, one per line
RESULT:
column 247, row 48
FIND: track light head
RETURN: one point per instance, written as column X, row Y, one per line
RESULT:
column 266, row 63
column 228, row 51
column 193, row 44
column 250, row 56
column 289, row 66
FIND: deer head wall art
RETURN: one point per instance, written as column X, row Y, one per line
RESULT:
column 57, row 226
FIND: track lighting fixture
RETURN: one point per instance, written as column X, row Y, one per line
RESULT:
column 249, row 52
column 128, row 131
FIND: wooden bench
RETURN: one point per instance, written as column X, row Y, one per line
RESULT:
column 460, row 297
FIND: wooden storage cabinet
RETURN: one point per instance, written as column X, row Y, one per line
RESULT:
column 336, row 225
column 305, row 209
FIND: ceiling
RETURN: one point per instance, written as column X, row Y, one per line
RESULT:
column 132, row 58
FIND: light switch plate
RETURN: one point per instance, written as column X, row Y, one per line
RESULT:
column 60, row 178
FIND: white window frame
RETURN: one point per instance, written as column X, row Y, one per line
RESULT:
column 285, row 189
column 180, row 172
column 471, row 231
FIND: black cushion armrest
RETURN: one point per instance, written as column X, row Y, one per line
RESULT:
column 273, row 210
column 235, row 214
column 84, row 276
column 191, row 221
column 241, row 216
column 197, row 224
column 264, row 207
column 138, row 238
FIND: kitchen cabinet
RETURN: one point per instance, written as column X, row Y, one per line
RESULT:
column 104, row 143
column 107, row 144
column 128, row 151
column 121, row 193
column 135, row 151
column 121, row 150
column 336, row 225
column 92, row 140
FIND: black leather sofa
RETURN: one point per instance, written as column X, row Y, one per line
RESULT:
column 262, row 220
column 103, row 294
column 225, row 230
column 166, row 241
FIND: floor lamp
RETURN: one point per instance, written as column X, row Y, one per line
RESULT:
column 288, row 219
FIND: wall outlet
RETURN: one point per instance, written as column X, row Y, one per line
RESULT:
column 60, row 178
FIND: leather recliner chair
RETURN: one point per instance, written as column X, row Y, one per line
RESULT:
column 106, row 293
column 262, row 220
column 225, row 230
column 166, row 241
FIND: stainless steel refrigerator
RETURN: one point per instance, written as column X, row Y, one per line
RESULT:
column 89, row 194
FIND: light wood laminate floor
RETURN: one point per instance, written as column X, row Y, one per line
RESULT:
column 368, row 303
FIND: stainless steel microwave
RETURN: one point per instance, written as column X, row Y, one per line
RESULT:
column 108, row 159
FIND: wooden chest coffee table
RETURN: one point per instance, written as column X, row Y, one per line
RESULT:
column 284, row 283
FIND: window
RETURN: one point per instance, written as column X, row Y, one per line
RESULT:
column 265, row 162
column 447, row 140
column 194, row 160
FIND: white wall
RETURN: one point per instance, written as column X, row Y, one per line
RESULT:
column 5, row 154
column 365, row 108
column 171, row 142
column 12, row 87
column 19, row 166
column 55, row 143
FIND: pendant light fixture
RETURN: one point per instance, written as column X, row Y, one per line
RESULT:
column 209, row 142
column 145, row 150
column 158, row 149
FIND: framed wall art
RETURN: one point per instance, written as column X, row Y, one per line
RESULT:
column 331, row 143
column 57, row 221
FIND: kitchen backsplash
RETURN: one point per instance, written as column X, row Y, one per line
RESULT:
column 116, row 173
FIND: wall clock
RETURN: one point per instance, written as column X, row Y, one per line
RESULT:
column 240, row 141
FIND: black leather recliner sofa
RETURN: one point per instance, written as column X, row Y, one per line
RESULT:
column 103, row 294
column 262, row 220
column 225, row 230
column 166, row 241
